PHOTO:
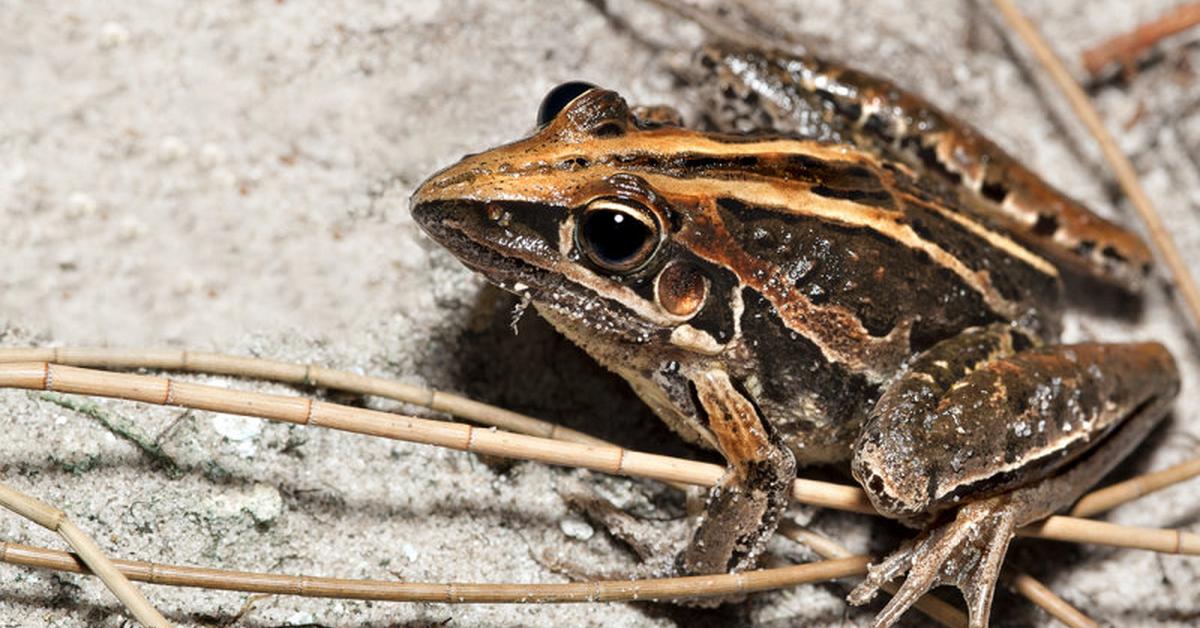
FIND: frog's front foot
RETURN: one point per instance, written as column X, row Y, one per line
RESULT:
column 745, row 505
column 966, row 553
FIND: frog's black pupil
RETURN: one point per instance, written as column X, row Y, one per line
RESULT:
column 559, row 98
column 615, row 237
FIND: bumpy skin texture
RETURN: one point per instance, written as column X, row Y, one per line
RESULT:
column 754, row 89
column 770, row 289
column 1000, row 414
column 1115, row 394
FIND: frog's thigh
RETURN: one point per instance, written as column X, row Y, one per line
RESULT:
column 744, row 507
column 1015, row 435
column 983, row 413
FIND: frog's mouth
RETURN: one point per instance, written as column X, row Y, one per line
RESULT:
column 514, row 261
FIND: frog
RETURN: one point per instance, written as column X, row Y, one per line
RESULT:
column 828, row 270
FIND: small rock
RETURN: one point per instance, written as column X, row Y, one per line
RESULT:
column 576, row 528
column 262, row 502
column 211, row 156
column 81, row 204
column 265, row 504
column 131, row 227
column 113, row 34
column 171, row 148
column 237, row 428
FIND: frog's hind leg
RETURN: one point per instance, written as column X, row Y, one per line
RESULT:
column 1001, row 433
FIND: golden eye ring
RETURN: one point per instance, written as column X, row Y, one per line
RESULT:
column 618, row 235
column 681, row 289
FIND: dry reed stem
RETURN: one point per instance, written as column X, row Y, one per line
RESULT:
column 89, row 552
column 453, row 592
column 1126, row 48
column 1057, row 607
column 606, row 459
column 312, row 375
column 214, row 363
column 298, row 375
column 291, row 373
column 1163, row 540
column 1112, row 496
column 1117, row 160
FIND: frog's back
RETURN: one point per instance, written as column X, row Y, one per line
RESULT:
column 847, row 268
column 870, row 240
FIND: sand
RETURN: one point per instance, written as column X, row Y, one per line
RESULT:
column 233, row 177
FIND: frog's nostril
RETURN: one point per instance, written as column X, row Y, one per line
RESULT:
column 423, row 213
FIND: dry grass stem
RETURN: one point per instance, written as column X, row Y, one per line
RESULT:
column 1112, row 496
column 452, row 592
column 1117, row 160
column 297, row 375
column 1125, row 49
column 89, row 552
column 804, row 491
column 1166, row 541
column 706, row 20
column 604, row 458
column 1058, row 608
column 213, row 363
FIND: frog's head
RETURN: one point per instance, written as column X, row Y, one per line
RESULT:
column 594, row 219
column 664, row 251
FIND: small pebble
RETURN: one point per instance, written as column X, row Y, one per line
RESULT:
column 237, row 428
column 113, row 34
column 211, row 155
column 262, row 502
column 131, row 227
column 576, row 528
column 171, row 149
column 80, row 204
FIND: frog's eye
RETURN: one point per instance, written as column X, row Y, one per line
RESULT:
column 617, row 235
column 558, row 99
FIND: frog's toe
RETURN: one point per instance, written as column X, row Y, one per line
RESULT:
column 966, row 553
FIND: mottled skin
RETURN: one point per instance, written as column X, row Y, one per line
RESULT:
column 806, row 301
column 753, row 90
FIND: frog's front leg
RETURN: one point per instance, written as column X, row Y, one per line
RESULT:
column 743, row 509
column 1006, row 433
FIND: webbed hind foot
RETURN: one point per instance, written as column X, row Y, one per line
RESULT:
column 966, row 553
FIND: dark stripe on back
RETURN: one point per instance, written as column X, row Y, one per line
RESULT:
column 1015, row 280
column 880, row 280
column 842, row 180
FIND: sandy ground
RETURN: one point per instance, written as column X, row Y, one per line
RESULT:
column 233, row 176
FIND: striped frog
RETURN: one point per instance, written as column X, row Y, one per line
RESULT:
column 831, row 271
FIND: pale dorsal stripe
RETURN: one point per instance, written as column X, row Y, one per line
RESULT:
column 558, row 187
